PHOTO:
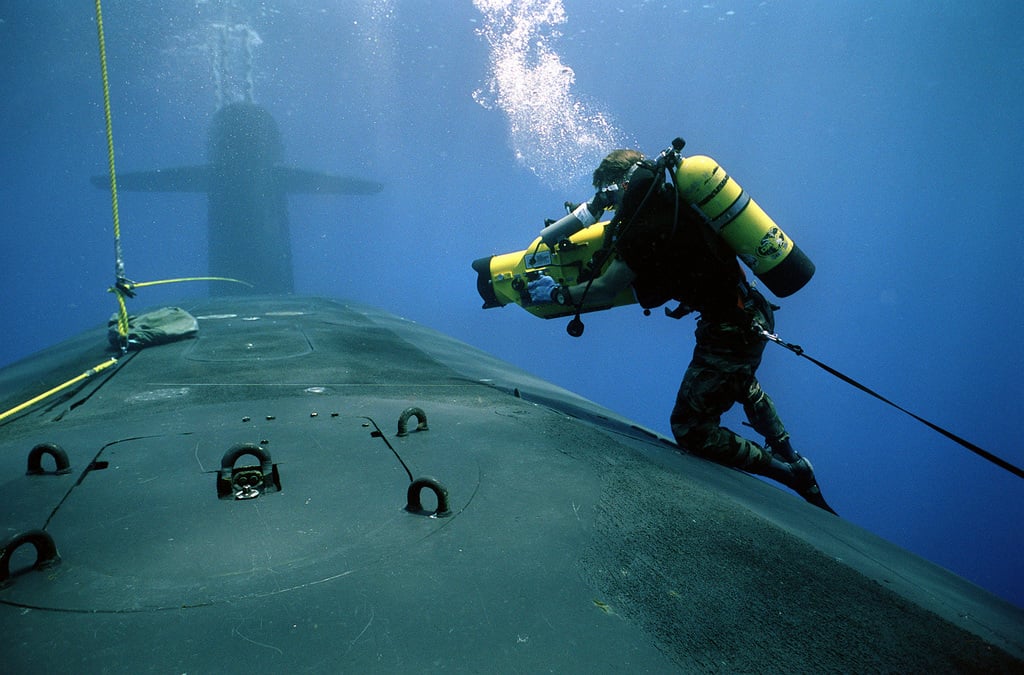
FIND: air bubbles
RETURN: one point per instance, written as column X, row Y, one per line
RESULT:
column 552, row 132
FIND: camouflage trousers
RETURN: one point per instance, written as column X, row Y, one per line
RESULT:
column 721, row 374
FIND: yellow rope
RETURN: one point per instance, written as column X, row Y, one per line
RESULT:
column 122, row 287
column 122, row 319
column 143, row 284
column 122, row 316
column 127, row 288
column 89, row 373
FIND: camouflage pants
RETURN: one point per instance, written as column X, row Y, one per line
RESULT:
column 720, row 375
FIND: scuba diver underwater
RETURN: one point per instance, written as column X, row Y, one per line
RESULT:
column 679, row 225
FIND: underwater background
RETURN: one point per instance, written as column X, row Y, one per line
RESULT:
column 884, row 137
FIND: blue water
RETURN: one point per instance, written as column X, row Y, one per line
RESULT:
column 883, row 136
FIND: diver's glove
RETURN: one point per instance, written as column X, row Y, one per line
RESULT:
column 541, row 289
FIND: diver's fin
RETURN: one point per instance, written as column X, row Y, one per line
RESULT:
column 812, row 495
column 303, row 181
column 798, row 476
column 806, row 485
column 181, row 179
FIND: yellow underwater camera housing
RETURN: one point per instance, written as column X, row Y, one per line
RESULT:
column 503, row 279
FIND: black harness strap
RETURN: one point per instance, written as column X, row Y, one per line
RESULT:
column 998, row 461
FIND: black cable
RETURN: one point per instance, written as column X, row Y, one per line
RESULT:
column 998, row 461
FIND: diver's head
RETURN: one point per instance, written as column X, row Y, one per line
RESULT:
column 614, row 167
column 610, row 175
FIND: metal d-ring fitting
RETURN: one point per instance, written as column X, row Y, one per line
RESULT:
column 35, row 459
column 46, row 552
column 247, row 482
column 403, row 421
column 415, row 505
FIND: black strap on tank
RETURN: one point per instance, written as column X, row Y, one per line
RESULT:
column 799, row 351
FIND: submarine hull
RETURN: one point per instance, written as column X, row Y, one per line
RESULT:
column 552, row 534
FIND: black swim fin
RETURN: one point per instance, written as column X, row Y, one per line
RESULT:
column 797, row 475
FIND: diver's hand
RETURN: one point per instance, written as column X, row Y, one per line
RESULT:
column 540, row 290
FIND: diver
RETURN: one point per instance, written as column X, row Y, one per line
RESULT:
column 661, row 247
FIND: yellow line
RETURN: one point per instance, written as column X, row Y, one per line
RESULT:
column 143, row 284
column 89, row 373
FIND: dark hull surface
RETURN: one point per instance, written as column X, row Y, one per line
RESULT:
column 575, row 541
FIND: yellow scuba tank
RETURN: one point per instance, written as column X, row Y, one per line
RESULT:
column 504, row 279
column 761, row 244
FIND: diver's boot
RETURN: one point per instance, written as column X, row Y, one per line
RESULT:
column 781, row 447
column 799, row 477
column 779, row 471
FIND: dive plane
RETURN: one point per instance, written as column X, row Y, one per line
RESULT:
column 247, row 190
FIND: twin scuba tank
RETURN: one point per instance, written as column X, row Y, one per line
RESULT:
column 728, row 210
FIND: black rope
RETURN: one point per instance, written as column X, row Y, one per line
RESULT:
column 799, row 351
